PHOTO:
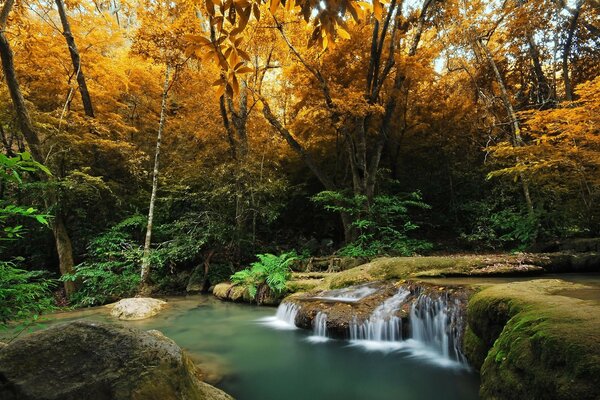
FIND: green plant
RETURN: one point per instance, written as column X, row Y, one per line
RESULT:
column 381, row 226
column 111, row 270
column 270, row 269
column 23, row 294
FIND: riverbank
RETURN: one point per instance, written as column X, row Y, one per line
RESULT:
column 530, row 331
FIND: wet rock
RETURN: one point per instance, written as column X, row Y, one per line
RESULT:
column 341, row 313
column 238, row 293
column 136, row 308
column 534, row 341
column 94, row 361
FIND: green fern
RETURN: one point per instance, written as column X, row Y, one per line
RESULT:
column 270, row 269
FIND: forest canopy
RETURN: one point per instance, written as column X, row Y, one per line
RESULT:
column 146, row 140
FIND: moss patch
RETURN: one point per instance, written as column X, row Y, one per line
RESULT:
column 393, row 268
column 541, row 344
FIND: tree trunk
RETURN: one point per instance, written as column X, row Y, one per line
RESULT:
column 514, row 121
column 567, row 50
column 145, row 273
column 83, row 90
column 65, row 252
column 61, row 236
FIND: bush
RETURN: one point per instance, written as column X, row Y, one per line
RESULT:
column 23, row 294
column 382, row 226
column 273, row 270
column 111, row 270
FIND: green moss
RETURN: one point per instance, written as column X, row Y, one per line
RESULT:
column 541, row 344
column 396, row 268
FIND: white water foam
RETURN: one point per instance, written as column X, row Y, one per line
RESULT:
column 319, row 329
column 347, row 295
column 383, row 325
column 284, row 319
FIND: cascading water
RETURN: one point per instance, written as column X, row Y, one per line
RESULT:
column 319, row 328
column 435, row 324
column 348, row 295
column 383, row 325
column 438, row 324
column 285, row 317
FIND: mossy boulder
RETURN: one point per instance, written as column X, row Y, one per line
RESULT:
column 534, row 342
column 94, row 361
column 394, row 268
column 239, row 293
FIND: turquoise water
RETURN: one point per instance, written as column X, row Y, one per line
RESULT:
column 253, row 361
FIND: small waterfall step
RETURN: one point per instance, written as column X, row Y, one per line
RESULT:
column 319, row 328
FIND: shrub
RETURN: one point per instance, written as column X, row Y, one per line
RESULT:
column 382, row 226
column 23, row 294
column 111, row 270
column 273, row 270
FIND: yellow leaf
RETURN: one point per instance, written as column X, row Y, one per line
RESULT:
column 377, row 10
column 274, row 5
column 343, row 33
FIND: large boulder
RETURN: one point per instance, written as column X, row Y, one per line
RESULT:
column 136, row 308
column 536, row 339
column 95, row 361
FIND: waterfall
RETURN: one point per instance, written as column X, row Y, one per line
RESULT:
column 285, row 317
column 438, row 324
column 287, row 312
column 348, row 295
column 319, row 328
column 383, row 324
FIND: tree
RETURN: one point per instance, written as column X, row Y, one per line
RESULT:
column 76, row 59
column 62, row 239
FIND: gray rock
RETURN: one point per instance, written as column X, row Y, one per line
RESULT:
column 96, row 361
column 136, row 308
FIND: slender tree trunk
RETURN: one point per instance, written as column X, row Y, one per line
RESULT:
column 514, row 121
column 61, row 236
column 83, row 90
column 567, row 50
column 145, row 273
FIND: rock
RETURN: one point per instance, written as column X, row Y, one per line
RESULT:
column 340, row 313
column 535, row 340
column 221, row 290
column 136, row 308
column 96, row 361
column 239, row 293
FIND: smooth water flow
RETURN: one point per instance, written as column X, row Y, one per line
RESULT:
column 348, row 295
column 285, row 318
column 438, row 323
column 383, row 324
column 319, row 328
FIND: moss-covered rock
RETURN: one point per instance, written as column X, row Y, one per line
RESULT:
column 542, row 345
column 89, row 360
column 239, row 293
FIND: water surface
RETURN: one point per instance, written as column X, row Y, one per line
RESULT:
column 254, row 361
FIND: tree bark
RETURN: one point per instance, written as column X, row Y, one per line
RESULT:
column 61, row 236
column 145, row 272
column 514, row 121
column 76, row 59
column 567, row 50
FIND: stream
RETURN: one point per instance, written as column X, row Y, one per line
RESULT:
column 248, row 356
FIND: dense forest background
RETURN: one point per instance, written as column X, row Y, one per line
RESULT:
column 387, row 128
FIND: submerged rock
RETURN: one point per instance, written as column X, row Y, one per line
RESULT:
column 94, row 361
column 136, row 308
